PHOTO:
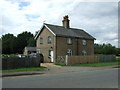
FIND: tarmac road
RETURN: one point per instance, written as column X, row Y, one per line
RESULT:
column 107, row 78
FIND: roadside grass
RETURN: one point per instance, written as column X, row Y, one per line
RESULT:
column 118, row 59
column 24, row 69
column 8, row 55
column 95, row 64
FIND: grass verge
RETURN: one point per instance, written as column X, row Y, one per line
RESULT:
column 24, row 69
column 93, row 64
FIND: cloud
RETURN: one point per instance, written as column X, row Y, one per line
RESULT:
column 97, row 18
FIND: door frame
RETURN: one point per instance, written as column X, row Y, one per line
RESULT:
column 51, row 56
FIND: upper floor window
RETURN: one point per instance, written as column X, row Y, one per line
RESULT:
column 49, row 40
column 69, row 41
column 41, row 40
column 84, row 42
column 84, row 52
column 69, row 52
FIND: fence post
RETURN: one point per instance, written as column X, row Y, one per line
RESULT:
column 66, row 60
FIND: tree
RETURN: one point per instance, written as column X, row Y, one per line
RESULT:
column 8, row 43
column 22, row 40
column 105, row 49
column 117, row 51
column 31, row 42
column 36, row 32
column 98, row 49
column 109, row 49
column 0, row 45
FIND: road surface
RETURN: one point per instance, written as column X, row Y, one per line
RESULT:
column 107, row 78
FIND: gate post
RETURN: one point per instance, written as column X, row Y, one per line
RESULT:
column 66, row 60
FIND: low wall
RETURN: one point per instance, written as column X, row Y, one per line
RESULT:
column 81, row 59
column 13, row 63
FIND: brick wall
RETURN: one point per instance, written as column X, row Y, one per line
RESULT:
column 45, row 47
column 76, row 47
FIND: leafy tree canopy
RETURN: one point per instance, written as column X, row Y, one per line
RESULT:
column 12, row 44
column 105, row 49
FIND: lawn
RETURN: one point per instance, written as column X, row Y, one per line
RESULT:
column 24, row 69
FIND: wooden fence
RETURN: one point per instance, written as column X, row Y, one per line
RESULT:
column 69, row 60
column 13, row 63
column 81, row 59
column 107, row 58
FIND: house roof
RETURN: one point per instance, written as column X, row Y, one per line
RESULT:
column 30, row 48
column 68, row 32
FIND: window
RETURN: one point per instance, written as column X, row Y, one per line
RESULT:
column 41, row 40
column 69, row 52
column 84, row 53
column 69, row 41
column 38, row 51
column 84, row 42
column 49, row 40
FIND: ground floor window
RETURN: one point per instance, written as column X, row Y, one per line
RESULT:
column 69, row 52
column 38, row 51
column 84, row 52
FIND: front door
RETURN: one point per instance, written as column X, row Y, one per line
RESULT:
column 51, row 54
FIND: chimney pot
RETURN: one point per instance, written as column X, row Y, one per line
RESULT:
column 66, row 21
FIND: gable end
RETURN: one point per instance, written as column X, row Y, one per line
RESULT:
column 44, row 26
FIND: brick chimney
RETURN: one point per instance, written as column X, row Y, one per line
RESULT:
column 65, row 21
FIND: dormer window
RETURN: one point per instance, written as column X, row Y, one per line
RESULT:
column 49, row 40
column 84, row 42
column 69, row 41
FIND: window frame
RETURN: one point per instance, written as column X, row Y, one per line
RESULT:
column 69, row 52
column 41, row 40
column 69, row 41
column 49, row 40
column 84, row 42
column 84, row 52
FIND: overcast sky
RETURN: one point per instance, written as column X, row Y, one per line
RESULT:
column 100, row 19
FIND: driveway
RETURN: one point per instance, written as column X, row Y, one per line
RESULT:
column 55, row 69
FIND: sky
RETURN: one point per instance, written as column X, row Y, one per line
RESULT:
column 97, row 17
